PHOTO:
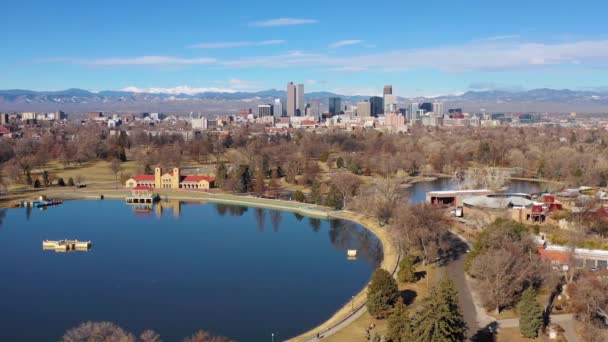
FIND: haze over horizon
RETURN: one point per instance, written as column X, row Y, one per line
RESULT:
column 422, row 50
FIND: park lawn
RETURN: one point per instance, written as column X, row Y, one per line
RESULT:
column 356, row 330
column 91, row 172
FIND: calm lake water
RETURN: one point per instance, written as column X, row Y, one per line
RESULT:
column 234, row 271
column 417, row 192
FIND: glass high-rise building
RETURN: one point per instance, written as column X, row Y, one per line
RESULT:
column 300, row 104
column 335, row 105
column 377, row 105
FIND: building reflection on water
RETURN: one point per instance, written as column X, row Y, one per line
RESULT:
column 344, row 235
column 159, row 208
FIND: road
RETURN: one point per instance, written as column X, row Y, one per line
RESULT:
column 454, row 270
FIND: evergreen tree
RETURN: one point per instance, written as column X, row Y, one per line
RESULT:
column 399, row 324
column 340, row 163
column 60, row 182
column 299, row 196
column 407, row 270
column 36, row 183
column 441, row 319
column 148, row 170
column 530, row 314
column 45, row 178
column 70, row 181
column 244, row 179
column 382, row 294
column 221, row 173
column 333, row 200
column 315, row 192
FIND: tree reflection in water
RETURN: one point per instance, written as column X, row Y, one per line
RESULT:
column 343, row 234
column 275, row 220
column 315, row 223
column 232, row 210
column 346, row 235
column 2, row 216
column 260, row 218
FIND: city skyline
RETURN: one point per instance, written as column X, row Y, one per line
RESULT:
column 184, row 49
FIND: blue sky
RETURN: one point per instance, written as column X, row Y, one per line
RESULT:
column 350, row 47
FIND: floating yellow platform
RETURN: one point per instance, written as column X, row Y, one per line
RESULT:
column 66, row 245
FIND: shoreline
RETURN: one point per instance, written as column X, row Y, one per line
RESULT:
column 390, row 255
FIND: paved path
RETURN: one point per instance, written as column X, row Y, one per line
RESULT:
column 474, row 316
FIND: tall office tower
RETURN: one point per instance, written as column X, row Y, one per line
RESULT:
column 387, row 92
column 363, row 108
column 335, row 105
column 426, row 106
column 300, row 105
column 412, row 112
column 376, row 104
column 438, row 108
column 277, row 108
column 264, row 110
column 291, row 99
column 390, row 103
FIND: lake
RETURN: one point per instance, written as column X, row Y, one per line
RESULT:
column 417, row 192
column 234, row 271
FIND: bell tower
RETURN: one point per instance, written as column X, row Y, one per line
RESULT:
column 158, row 173
column 176, row 178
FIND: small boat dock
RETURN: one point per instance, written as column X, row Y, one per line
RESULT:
column 142, row 195
column 42, row 202
column 66, row 245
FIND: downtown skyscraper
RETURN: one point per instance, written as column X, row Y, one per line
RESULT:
column 295, row 99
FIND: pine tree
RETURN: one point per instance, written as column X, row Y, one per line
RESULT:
column 382, row 294
column 407, row 270
column 60, row 182
column 530, row 314
column 299, row 196
column 221, row 173
column 70, row 181
column 441, row 319
column 315, row 192
column 399, row 324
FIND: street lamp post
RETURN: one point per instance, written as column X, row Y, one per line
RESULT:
column 272, row 335
column 352, row 304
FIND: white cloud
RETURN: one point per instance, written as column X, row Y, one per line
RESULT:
column 358, row 91
column 495, row 86
column 342, row 43
column 496, row 38
column 242, row 84
column 486, row 56
column 143, row 60
column 187, row 90
column 222, row 45
column 282, row 22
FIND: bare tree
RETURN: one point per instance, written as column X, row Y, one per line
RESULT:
column 203, row 336
column 422, row 229
column 380, row 199
column 504, row 273
column 346, row 184
column 98, row 331
column 150, row 336
column 590, row 299
column 116, row 167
